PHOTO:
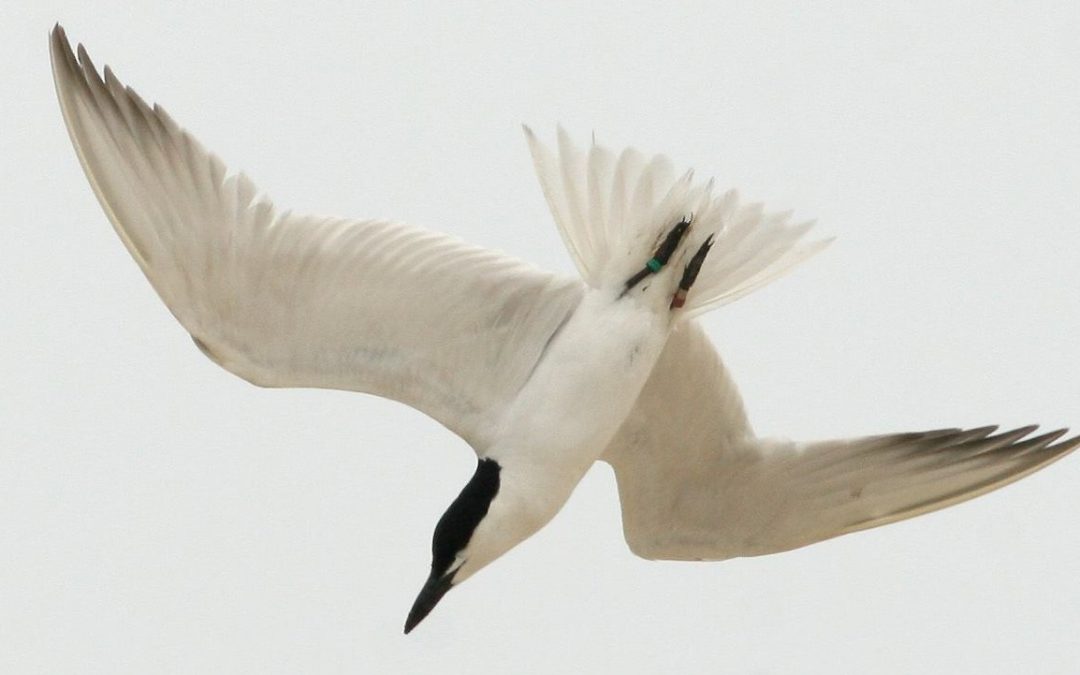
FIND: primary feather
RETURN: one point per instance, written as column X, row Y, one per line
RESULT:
column 696, row 483
column 283, row 299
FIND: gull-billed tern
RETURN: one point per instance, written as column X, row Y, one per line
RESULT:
column 542, row 375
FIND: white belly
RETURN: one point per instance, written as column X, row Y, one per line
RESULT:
column 583, row 388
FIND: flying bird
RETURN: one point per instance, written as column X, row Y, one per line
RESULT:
column 542, row 375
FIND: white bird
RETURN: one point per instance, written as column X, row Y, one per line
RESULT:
column 541, row 375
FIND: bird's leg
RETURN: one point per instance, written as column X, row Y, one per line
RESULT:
column 690, row 273
column 663, row 253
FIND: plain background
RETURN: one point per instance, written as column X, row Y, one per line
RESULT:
column 158, row 515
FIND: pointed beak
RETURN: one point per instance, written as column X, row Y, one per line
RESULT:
column 430, row 594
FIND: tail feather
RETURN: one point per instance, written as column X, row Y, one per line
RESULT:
column 609, row 206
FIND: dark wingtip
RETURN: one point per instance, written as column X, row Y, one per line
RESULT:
column 58, row 39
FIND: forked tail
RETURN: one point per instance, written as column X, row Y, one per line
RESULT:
column 613, row 212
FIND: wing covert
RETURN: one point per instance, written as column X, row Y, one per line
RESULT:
column 696, row 484
column 287, row 300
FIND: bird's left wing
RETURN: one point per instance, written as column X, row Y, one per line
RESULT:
column 696, row 484
column 287, row 300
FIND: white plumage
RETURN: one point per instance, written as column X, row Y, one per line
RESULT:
column 542, row 375
column 602, row 205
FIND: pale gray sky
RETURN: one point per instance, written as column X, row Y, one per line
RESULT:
column 158, row 514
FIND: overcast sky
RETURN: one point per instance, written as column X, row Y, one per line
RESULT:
column 158, row 514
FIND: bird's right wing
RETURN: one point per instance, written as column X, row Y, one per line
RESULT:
column 285, row 300
column 696, row 484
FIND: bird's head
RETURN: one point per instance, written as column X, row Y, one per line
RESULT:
column 487, row 519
